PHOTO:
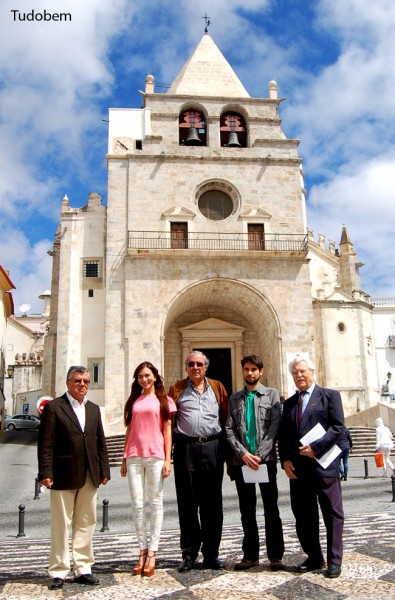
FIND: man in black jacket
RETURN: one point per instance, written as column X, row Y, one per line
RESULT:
column 72, row 462
column 309, row 480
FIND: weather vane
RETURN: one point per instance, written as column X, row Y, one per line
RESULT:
column 208, row 22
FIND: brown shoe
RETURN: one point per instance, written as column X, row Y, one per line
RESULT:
column 277, row 565
column 149, row 567
column 137, row 569
column 245, row 564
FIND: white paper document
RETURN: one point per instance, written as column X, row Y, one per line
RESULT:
column 316, row 433
column 258, row 476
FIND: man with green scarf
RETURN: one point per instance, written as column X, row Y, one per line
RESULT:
column 252, row 426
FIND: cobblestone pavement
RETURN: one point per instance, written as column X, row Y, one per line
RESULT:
column 368, row 569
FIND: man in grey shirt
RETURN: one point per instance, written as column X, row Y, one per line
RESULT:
column 199, row 462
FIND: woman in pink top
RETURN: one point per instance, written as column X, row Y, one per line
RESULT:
column 146, row 459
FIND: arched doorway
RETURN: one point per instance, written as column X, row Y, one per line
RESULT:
column 244, row 321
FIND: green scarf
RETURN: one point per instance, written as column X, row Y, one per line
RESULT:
column 250, row 420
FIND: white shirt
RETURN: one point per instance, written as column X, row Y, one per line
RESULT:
column 78, row 408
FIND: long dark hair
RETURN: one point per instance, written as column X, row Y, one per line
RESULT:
column 136, row 393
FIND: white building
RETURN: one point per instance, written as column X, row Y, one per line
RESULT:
column 384, row 331
column 25, row 352
column 204, row 244
column 6, row 309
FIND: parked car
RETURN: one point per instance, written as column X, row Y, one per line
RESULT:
column 22, row 422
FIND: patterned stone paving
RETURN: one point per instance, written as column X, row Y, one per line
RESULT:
column 368, row 569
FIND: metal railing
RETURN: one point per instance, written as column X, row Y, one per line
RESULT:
column 273, row 242
column 391, row 341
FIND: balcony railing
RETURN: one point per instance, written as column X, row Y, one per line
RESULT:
column 383, row 301
column 273, row 242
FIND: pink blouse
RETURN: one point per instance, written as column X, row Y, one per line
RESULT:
column 146, row 429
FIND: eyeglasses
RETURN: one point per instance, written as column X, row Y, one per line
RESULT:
column 195, row 364
column 299, row 372
column 86, row 381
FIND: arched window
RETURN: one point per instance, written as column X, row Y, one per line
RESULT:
column 233, row 130
column 215, row 205
column 192, row 128
column 217, row 200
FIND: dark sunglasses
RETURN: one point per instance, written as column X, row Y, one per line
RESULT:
column 86, row 381
column 195, row 364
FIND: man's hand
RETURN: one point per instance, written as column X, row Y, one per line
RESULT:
column 289, row 469
column 104, row 480
column 124, row 471
column 48, row 482
column 251, row 461
column 306, row 451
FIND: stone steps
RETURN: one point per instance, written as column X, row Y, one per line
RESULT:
column 364, row 440
column 115, row 444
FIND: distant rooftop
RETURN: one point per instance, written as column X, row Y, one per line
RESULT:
column 383, row 301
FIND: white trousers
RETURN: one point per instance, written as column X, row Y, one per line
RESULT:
column 386, row 450
column 146, row 488
column 78, row 509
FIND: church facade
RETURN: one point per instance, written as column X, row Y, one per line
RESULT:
column 204, row 244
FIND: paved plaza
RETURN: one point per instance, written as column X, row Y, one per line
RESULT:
column 369, row 544
column 368, row 571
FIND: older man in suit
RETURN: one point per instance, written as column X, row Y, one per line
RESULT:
column 309, row 481
column 73, row 462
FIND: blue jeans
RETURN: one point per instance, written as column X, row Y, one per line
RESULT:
column 343, row 469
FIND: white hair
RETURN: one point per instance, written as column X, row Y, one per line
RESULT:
column 297, row 359
column 193, row 353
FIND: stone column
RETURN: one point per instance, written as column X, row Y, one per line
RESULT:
column 239, row 373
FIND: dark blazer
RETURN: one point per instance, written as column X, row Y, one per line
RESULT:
column 325, row 407
column 65, row 452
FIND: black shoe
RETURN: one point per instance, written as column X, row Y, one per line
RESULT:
column 277, row 565
column 213, row 563
column 341, row 477
column 309, row 565
column 344, row 478
column 87, row 579
column 333, row 571
column 186, row 565
column 56, row 583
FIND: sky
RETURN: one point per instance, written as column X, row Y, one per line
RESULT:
column 333, row 60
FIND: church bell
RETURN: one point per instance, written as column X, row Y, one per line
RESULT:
column 193, row 139
column 233, row 140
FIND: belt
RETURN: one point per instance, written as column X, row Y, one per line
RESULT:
column 201, row 438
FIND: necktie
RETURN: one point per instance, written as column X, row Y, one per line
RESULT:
column 300, row 407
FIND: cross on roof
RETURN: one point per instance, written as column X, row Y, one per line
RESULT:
column 208, row 22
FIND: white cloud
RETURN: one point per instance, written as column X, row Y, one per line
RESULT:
column 364, row 201
column 31, row 267
column 54, row 76
column 344, row 117
column 347, row 106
